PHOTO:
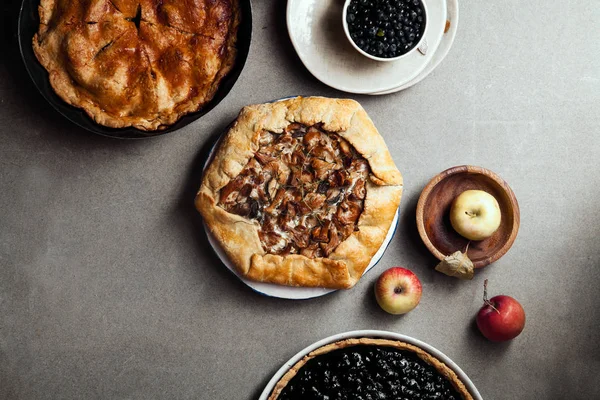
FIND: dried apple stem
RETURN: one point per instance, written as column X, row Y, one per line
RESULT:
column 462, row 261
column 485, row 298
column 464, row 256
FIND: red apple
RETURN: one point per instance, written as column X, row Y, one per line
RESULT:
column 398, row 290
column 501, row 318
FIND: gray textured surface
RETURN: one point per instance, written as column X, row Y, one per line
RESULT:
column 108, row 288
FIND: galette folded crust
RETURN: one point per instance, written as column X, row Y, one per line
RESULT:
column 441, row 368
column 239, row 237
column 146, row 76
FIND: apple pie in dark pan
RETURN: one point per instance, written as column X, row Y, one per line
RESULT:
column 28, row 25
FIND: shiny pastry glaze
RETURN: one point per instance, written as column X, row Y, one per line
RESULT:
column 141, row 63
column 306, row 188
column 368, row 372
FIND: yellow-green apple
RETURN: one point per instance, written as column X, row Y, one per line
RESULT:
column 475, row 214
column 398, row 290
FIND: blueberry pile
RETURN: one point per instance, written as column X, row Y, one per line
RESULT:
column 386, row 28
column 368, row 373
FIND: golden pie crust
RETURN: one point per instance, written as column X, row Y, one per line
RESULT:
column 440, row 367
column 139, row 63
column 239, row 235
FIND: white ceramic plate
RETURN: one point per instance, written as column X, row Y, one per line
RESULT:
column 373, row 334
column 317, row 34
column 288, row 292
column 440, row 53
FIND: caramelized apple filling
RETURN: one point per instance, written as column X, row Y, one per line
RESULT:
column 306, row 188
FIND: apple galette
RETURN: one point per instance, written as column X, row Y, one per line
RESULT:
column 140, row 63
column 301, row 192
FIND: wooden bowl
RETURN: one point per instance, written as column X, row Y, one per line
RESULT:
column 433, row 214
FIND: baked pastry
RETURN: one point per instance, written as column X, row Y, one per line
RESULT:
column 140, row 63
column 301, row 192
column 370, row 369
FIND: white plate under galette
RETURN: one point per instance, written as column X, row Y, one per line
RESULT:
column 289, row 292
column 369, row 232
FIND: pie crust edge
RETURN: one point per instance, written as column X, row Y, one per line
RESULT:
column 440, row 367
column 238, row 236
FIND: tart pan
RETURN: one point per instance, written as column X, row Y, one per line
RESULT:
column 28, row 26
column 371, row 334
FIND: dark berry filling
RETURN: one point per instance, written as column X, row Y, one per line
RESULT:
column 386, row 28
column 368, row 372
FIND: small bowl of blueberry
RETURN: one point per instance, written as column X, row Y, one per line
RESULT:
column 385, row 30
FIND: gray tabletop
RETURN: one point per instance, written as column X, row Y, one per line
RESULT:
column 108, row 288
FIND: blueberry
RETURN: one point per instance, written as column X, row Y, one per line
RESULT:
column 351, row 18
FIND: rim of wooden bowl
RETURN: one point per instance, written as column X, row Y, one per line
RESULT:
column 460, row 169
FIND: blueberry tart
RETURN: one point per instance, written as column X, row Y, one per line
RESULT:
column 366, row 368
column 301, row 192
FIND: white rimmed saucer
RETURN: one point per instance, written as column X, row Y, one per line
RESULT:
column 440, row 53
column 371, row 334
column 316, row 31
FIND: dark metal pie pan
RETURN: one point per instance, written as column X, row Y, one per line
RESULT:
column 27, row 27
